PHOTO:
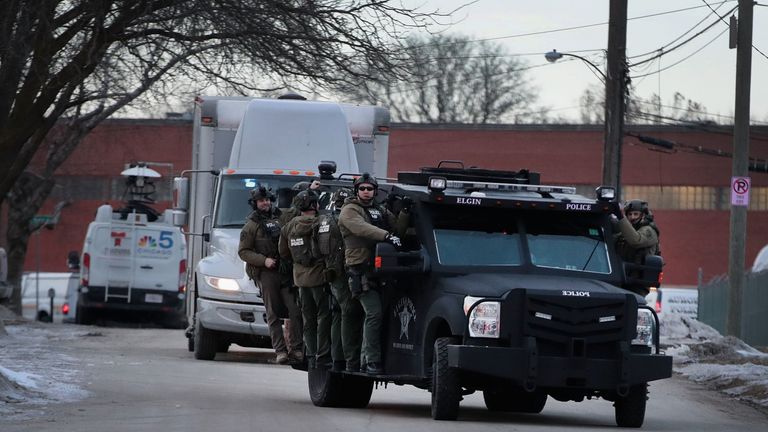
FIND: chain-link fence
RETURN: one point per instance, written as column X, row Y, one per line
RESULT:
column 713, row 306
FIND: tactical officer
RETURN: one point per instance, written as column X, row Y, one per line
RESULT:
column 347, row 314
column 259, row 249
column 363, row 223
column 638, row 235
column 308, row 274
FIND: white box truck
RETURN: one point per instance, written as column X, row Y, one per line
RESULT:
column 134, row 258
column 238, row 143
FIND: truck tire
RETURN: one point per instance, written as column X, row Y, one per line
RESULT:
column 446, row 387
column 324, row 387
column 515, row 400
column 205, row 342
column 83, row 315
column 356, row 391
column 630, row 410
column 332, row 389
column 222, row 346
column 191, row 344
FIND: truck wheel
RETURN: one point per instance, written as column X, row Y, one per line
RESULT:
column 630, row 410
column 516, row 400
column 446, row 388
column 356, row 391
column 83, row 315
column 222, row 346
column 191, row 344
column 324, row 387
column 205, row 342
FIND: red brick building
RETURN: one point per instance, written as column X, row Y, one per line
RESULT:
column 688, row 190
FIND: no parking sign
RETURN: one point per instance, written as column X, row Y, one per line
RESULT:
column 740, row 191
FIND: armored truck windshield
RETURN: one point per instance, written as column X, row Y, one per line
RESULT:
column 503, row 237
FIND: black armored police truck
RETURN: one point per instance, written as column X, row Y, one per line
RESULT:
column 512, row 288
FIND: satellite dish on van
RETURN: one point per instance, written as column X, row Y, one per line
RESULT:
column 140, row 171
column 761, row 261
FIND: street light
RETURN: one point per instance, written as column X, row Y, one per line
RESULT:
column 615, row 88
column 554, row 56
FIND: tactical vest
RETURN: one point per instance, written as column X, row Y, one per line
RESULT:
column 377, row 217
column 301, row 245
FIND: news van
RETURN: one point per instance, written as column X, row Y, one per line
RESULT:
column 681, row 301
column 134, row 259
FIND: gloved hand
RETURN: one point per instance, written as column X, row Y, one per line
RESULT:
column 617, row 211
column 285, row 267
column 393, row 240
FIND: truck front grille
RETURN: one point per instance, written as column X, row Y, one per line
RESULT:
column 568, row 326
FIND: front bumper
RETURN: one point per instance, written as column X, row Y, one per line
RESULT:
column 232, row 317
column 527, row 368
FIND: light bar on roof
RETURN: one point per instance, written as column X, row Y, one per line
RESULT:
column 511, row 187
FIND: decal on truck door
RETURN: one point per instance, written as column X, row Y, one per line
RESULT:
column 405, row 313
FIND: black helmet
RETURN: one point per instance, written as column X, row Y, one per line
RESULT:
column 300, row 186
column 340, row 195
column 636, row 205
column 260, row 192
column 306, row 200
column 365, row 178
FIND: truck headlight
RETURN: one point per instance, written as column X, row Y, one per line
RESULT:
column 646, row 328
column 222, row 284
column 485, row 319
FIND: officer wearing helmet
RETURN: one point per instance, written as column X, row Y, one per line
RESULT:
column 259, row 249
column 347, row 314
column 293, row 211
column 363, row 223
column 638, row 235
column 308, row 274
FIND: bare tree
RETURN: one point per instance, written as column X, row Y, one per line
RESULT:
column 67, row 65
column 450, row 79
column 592, row 105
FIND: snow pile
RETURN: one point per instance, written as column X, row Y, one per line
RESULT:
column 721, row 362
column 35, row 369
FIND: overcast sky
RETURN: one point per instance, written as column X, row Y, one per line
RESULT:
column 707, row 76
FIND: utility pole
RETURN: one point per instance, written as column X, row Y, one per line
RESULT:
column 615, row 90
column 740, row 165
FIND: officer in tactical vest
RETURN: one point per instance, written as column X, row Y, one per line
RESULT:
column 308, row 274
column 259, row 249
column 346, row 331
column 638, row 235
column 363, row 223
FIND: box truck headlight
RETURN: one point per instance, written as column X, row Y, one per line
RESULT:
column 223, row 284
column 484, row 319
column 646, row 328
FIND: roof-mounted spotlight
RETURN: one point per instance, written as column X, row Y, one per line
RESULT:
column 437, row 184
column 605, row 193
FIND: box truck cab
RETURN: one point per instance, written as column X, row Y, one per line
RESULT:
column 240, row 143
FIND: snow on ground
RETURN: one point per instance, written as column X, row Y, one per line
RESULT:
column 720, row 362
column 36, row 370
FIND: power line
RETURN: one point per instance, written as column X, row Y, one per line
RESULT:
column 681, row 36
column 723, row 20
column 563, row 29
column 683, row 59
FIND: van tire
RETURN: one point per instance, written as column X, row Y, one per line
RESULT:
column 43, row 316
column 191, row 343
column 205, row 342
column 515, row 400
column 446, row 386
column 630, row 410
